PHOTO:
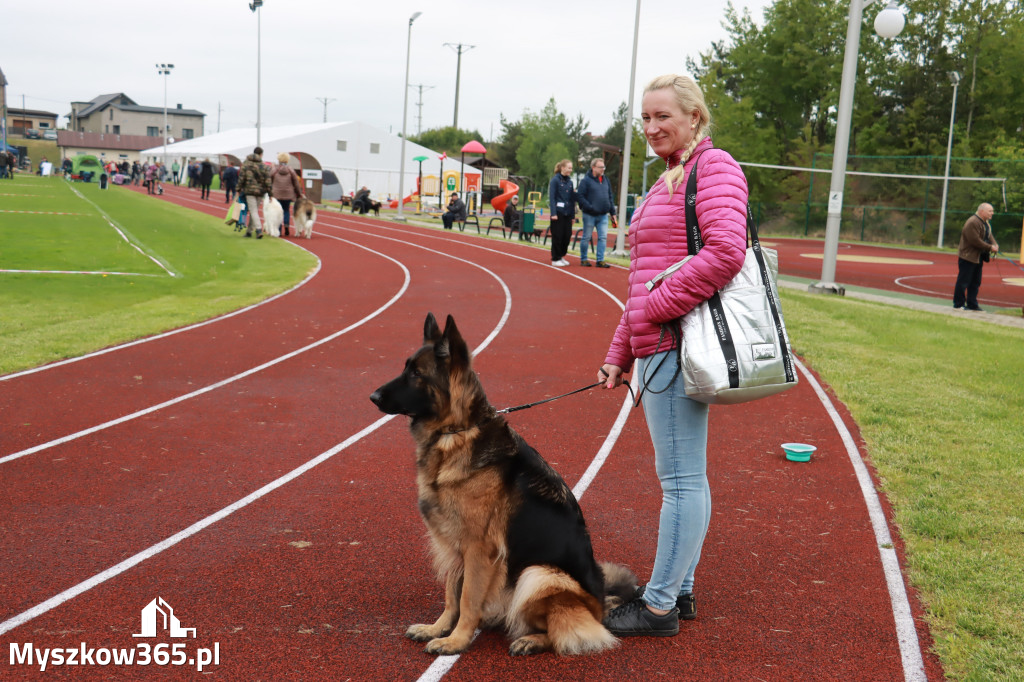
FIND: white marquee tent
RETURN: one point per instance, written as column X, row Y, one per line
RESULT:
column 359, row 155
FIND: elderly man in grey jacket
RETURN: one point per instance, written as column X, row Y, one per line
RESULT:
column 595, row 198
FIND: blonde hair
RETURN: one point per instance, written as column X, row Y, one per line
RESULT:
column 561, row 164
column 283, row 157
column 689, row 97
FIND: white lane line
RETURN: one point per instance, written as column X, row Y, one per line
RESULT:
column 159, row 547
column 80, row 272
column 134, row 243
column 222, row 383
column 906, row 633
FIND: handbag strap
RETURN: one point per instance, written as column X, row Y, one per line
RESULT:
column 695, row 243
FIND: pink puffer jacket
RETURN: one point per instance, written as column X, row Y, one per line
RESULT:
column 657, row 238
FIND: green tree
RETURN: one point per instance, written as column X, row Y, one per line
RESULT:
column 545, row 142
column 448, row 139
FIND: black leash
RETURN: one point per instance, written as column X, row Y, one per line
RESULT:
column 548, row 400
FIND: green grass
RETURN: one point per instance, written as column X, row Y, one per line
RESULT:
column 938, row 400
column 48, row 317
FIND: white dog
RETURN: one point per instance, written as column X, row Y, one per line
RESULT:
column 304, row 217
column 273, row 216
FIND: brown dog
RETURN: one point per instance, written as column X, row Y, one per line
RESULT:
column 508, row 537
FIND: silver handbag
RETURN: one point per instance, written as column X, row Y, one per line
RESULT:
column 734, row 345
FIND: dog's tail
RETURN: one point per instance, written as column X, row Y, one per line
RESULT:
column 549, row 609
column 619, row 585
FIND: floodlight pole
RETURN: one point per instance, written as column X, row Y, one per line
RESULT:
column 620, row 236
column 458, row 75
column 255, row 6
column 955, row 78
column 165, row 70
column 405, row 111
column 884, row 26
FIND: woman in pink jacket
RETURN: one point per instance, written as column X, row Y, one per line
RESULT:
column 676, row 122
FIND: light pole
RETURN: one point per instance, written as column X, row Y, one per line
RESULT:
column 620, row 234
column 405, row 110
column 458, row 75
column 888, row 24
column 955, row 78
column 165, row 71
column 254, row 6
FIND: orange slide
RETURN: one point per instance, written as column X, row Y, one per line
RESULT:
column 509, row 190
column 410, row 198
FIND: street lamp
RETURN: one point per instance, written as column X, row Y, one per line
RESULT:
column 620, row 235
column 954, row 77
column 255, row 5
column 458, row 75
column 888, row 24
column 405, row 110
column 165, row 71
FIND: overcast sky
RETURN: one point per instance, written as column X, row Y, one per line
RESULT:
column 354, row 54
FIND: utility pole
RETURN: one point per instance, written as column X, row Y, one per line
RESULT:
column 419, row 105
column 325, row 101
column 219, row 109
column 458, row 74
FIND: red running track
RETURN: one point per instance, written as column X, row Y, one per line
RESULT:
column 238, row 471
column 907, row 271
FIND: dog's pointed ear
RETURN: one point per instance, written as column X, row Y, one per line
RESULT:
column 431, row 332
column 455, row 345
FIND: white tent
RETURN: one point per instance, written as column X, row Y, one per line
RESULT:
column 358, row 154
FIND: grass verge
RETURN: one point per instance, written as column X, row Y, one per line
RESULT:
column 935, row 398
column 48, row 316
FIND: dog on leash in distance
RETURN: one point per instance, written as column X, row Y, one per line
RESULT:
column 508, row 537
column 304, row 217
column 273, row 216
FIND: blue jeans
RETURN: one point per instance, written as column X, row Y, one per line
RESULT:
column 679, row 431
column 589, row 222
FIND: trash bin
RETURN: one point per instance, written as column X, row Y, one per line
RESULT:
column 526, row 229
column 103, row 180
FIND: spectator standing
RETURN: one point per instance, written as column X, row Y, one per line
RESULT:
column 596, row 203
column 176, row 172
column 285, row 187
column 976, row 247
column 562, row 203
column 205, row 178
column 456, row 211
column 253, row 183
column 676, row 121
column 150, row 178
column 229, row 181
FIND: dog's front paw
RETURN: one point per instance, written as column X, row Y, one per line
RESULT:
column 529, row 644
column 425, row 633
column 446, row 646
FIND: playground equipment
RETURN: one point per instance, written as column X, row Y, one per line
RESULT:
column 509, row 189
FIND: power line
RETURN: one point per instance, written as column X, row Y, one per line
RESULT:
column 458, row 74
column 419, row 105
column 325, row 101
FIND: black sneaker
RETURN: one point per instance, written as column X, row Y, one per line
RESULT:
column 686, row 603
column 634, row 619
column 585, row 263
column 602, row 264
column 976, row 309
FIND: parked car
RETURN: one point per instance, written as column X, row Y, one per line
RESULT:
column 50, row 134
column 32, row 134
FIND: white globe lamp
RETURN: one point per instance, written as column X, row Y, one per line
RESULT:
column 889, row 22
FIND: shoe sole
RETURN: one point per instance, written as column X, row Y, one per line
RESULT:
column 645, row 633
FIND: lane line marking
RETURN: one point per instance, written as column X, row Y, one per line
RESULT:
column 906, row 632
column 219, row 384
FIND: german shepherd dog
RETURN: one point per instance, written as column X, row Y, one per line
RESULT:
column 507, row 535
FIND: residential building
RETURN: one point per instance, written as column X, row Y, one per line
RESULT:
column 118, row 114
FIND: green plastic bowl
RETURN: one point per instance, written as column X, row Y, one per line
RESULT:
column 798, row 452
